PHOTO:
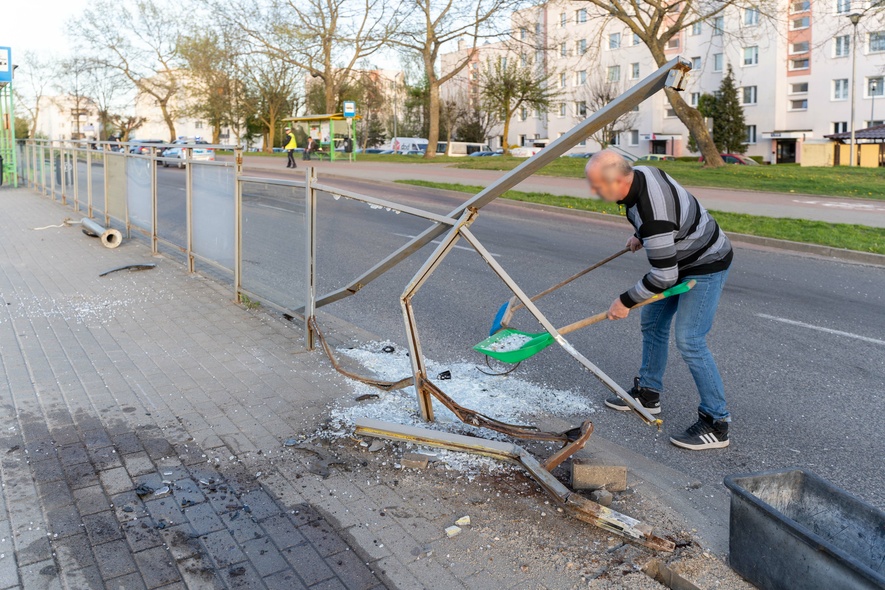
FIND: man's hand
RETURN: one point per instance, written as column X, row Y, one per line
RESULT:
column 634, row 244
column 618, row 310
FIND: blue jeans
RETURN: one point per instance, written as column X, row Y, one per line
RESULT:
column 694, row 312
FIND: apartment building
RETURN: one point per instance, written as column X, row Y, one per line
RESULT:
column 67, row 117
column 793, row 70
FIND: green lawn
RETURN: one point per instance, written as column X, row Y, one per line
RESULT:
column 836, row 235
column 865, row 183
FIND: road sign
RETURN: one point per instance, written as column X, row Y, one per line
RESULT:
column 349, row 108
column 5, row 64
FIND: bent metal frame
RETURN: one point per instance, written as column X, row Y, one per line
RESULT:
column 456, row 225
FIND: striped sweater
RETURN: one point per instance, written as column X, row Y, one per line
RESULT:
column 679, row 236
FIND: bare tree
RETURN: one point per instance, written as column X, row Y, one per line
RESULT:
column 107, row 88
column 508, row 86
column 598, row 92
column 325, row 38
column 656, row 23
column 429, row 26
column 271, row 87
column 71, row 82
column 139, row 40
column 126, row 124
column 33, row 78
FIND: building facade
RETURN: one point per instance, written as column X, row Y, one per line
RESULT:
column 792, row 68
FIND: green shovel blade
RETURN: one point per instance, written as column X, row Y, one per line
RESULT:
column 539, row 341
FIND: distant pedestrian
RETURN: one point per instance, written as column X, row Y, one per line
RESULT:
column 290, row 145
column 308, row 149
column 682, row 242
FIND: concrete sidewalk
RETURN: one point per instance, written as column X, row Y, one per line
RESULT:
column 831, row 209
column 144, row 416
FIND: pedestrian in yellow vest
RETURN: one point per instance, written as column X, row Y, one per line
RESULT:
column 290, row 145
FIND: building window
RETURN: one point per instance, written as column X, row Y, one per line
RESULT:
column 580, row 77
column 581, row 108
column 842, row 46
column 875, row 87
column 751, row 56
column 751, row 16
column 562, row 83
column 523, row 114
column 875, row 123
column 634, row 137
column 614, row 73
column 614, row 41
column 840, row 89
column 799, row 105
column 669, row 112
column 636, row 40
column 718, row 25
column 503, row 61
column 523, row 33
column 581, row 46
column 616, row 139
column 198, row 125
column 562, row 109
column 563, row 50
column 581, row 15
column 800, row 88
column 634, row 71
column 843, row 7
column 695, row 98
column 718, row 62
column 804, row 6
column 840, row 126
column 696, row 28
column 523, row 60
column 751, row 134
column 799, row 64
column 537, row 28
column 673, row 43
column 801, row 47
column 563, row 19
column 522, row 140
column 696, row 63
column 800, row 23
column 877, row 41
column 748, row 95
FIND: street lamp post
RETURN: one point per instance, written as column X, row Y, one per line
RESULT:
column 873, row 89
column 854, row 18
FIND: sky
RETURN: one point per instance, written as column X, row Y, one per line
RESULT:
column 38, row 25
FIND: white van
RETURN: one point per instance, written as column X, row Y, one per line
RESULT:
column 403, row 145
column 461, row 148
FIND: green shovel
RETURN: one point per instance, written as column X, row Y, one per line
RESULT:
column 531, row 344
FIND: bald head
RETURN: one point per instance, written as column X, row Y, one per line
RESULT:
column 610, row 175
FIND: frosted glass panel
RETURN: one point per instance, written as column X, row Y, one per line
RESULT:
column 213, row 207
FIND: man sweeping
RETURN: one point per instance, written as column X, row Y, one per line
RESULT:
column 682, row 242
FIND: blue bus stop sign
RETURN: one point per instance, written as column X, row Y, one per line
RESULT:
column 349, row 108
column 5, row 64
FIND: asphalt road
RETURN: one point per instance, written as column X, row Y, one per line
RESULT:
column 800, row 341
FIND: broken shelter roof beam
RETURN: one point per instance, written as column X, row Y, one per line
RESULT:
column 671, row 75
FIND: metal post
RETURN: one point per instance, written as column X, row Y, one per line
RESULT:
column 88, row 181
column 188, row 195
column 107, row 217
column 873, row 88
column 310, row 219
column 238, row 221
column 153, row 171
column 51, row 175
column 75, row 162
column 62, row 172
column 855, row 18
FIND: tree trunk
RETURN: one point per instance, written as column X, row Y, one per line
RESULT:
column 506, row 141
column 169, row 122
column 694, row 120
column 34, row 122
column 432, row 118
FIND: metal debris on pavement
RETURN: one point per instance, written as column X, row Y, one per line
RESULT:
column 444, row 376
column 131, row 267
column 453, row 530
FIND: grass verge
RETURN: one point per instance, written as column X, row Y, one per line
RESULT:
column 839, row 181
column 836, row 235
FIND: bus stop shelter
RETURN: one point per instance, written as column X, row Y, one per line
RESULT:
column 329, row 130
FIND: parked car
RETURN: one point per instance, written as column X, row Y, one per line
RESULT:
column 376, row 151
column 142, row 146
column 482, row 154
column 412, row 153
column 175, row 156
column 656, row 158
column 580, row 155
column 735, row 159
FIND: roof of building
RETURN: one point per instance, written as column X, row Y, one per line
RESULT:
column 326, row 117
column 874, row 134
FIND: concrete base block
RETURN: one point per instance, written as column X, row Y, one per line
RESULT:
column 592, row 475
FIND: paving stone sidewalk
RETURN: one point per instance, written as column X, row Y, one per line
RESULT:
column 127, row 405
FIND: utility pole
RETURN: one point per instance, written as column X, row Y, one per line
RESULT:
column 873, row 89
column 854, row 18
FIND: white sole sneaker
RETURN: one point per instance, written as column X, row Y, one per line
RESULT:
column 623, row 407
column 719, row 444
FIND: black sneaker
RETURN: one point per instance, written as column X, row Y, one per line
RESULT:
column 706, row 433
column 648, row 398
